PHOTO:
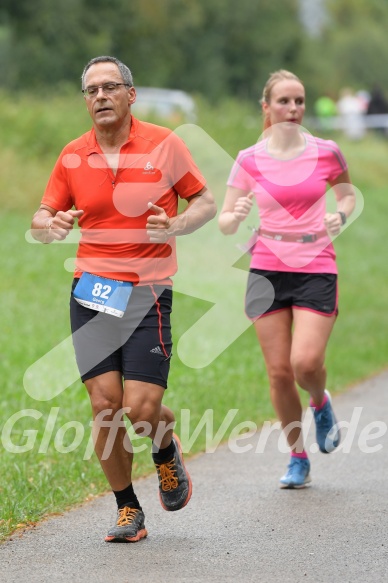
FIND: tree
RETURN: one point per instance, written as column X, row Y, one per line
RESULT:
column 216, row 48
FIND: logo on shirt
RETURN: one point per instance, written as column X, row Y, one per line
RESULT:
column 148, row 167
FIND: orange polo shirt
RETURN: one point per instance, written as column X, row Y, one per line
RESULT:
column 154, row 166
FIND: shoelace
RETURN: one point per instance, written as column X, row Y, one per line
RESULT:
column 126, row 516
column 168, row 479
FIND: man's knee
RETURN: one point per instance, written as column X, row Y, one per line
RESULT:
column 144, row 417
column 142, row 404
column 105, row 396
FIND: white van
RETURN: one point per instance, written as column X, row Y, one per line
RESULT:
column 172, row 104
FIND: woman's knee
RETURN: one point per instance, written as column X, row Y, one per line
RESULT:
column 307, row 366
column 281, row 377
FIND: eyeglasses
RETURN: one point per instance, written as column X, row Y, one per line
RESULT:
column 107, row 88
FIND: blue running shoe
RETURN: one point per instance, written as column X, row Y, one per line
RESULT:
column 298, row 474
column 327, row 431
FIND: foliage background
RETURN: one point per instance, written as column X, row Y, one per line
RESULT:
column 216, row 48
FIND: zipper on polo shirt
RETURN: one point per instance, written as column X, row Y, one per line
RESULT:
column 114, row 178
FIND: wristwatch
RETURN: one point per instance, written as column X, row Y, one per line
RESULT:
column 343, row 216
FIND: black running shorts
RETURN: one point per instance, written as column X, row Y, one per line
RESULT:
column 271, row 291
column 138, row 345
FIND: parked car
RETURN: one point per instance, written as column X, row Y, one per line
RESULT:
column 172, row 104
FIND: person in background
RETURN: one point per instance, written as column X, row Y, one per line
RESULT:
column 325, row 108
column 351, row 110
column 122, row 181
column 378, row 105
column 292, row 290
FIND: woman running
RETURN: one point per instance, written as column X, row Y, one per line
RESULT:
column 292, row 285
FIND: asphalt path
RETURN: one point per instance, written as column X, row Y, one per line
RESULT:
column 239, row 526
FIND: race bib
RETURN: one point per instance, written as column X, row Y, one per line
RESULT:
column 102, row 294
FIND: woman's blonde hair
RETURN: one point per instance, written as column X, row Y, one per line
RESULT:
column 281, row 75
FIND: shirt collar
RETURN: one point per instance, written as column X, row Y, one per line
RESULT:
column 94, row 147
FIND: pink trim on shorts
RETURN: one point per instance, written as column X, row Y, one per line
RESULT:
column 334, row 313
column 253, row 320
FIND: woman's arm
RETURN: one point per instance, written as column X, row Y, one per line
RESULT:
column 346, row 201
column 236, row 208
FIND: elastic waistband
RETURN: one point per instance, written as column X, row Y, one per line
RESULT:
column 293, row 237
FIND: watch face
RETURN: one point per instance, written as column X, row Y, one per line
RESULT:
column 343, row 217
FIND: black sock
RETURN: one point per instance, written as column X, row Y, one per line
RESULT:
column 127, row 497
column 164, row 455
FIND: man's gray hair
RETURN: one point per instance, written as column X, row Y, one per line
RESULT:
column 124, row 71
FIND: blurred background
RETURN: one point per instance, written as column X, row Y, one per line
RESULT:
column 193, row 61
column 213, row 48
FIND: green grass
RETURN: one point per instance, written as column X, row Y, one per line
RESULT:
column 35, row 290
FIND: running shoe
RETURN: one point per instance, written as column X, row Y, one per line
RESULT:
column 327, row 431
column 298, row 474
column 129, row 526
column 174, row 481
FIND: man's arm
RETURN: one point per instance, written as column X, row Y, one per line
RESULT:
column 49, row 225
column 201, row 208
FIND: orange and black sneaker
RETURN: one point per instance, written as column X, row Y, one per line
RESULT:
column 175, row 486
column 129, row 527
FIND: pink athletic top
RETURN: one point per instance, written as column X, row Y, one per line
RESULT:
column 290, row 195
